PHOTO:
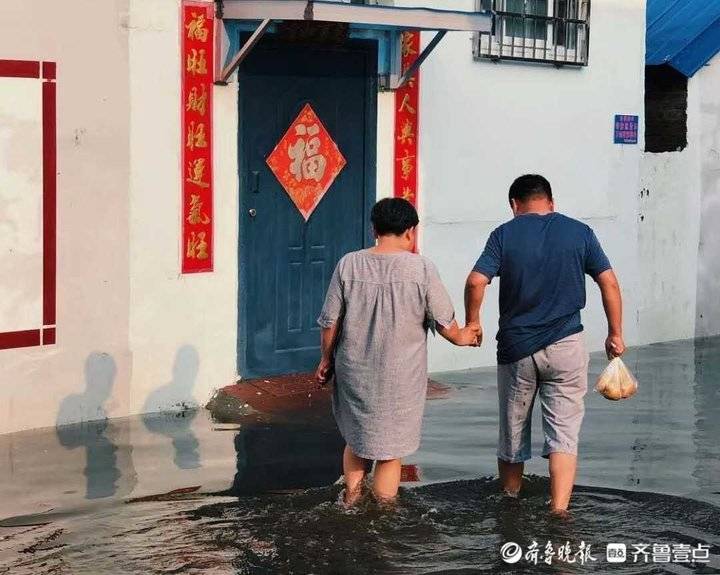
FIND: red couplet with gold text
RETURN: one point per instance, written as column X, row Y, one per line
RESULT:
column 407, row 110
column 196, row 136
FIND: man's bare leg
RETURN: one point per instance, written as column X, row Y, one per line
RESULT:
column 510, row 476
column 386, row 479
column 562, row 479
column 354, row 471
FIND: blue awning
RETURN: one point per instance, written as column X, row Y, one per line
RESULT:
column 682, row 33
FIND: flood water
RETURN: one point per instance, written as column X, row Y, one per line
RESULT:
column 181, row 493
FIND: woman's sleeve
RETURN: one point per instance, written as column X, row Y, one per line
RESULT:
column 439, row 309
column 334, row 302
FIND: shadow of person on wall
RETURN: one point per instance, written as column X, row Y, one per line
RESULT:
column 175, row 416
column 92, row 430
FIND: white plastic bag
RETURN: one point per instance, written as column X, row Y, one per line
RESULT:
column 616, row 382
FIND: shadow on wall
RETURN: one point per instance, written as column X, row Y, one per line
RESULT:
column 104, row 459
column 173, row 401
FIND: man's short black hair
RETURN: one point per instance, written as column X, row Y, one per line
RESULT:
column 530, row 187
column 393, row 216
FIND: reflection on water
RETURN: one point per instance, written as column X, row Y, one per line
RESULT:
column 101, row 468
column 101, row 454
column 291, row 457
column 175, row 423
column 650, row 468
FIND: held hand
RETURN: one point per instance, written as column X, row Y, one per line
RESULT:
column 614, row 346
column 479, row 335
column 470, row 335
column 324, row 371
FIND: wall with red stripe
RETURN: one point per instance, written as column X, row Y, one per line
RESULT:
column 64, row 208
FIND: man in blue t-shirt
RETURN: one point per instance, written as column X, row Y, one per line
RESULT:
column 541, row 258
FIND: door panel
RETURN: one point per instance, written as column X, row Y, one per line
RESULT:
column 286, row 262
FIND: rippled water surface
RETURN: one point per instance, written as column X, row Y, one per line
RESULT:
column 182, row 493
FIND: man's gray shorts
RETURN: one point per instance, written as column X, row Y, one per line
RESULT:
column 559, row 374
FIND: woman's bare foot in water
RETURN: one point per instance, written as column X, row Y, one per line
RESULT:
column 350, row 498
column 562, row 514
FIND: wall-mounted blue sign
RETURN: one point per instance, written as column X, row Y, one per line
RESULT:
column 626, row 129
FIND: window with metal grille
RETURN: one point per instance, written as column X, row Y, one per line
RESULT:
column 553, row 31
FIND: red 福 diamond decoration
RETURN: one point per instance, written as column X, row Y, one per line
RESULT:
column 306, row 161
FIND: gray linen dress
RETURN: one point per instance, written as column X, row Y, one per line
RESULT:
column 386, row 303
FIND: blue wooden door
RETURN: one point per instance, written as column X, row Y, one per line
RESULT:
column 285, row 261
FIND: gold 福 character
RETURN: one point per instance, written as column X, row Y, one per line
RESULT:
column 196, row 29
column 307, row 161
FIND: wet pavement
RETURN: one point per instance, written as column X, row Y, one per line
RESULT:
column 251, row 491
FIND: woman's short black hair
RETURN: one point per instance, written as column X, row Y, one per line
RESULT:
column 529, row 187
column 393, row 216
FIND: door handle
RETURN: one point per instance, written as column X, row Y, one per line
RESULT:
column 252, row 212
column 255, row 186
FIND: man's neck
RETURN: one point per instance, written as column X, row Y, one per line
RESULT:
column 535, row 212
column 538, row 208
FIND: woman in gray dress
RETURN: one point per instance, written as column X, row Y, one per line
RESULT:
column 378, row 308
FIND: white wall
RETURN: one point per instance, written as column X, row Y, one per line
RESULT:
column 708, row 283
column 679, row 239
column 87, row 374
column 178, row 323
column 483, row 124
column 133, row 335
column 668, row 238
column 386, row 144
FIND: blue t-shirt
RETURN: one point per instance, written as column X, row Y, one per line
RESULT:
column 541, row 261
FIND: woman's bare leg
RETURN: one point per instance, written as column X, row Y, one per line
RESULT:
column 386, row 479
column 354, row 471
column 510, row 477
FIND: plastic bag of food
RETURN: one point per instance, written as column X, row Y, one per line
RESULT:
column 616, row 382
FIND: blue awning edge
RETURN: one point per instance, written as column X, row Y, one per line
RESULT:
column 682, row 33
